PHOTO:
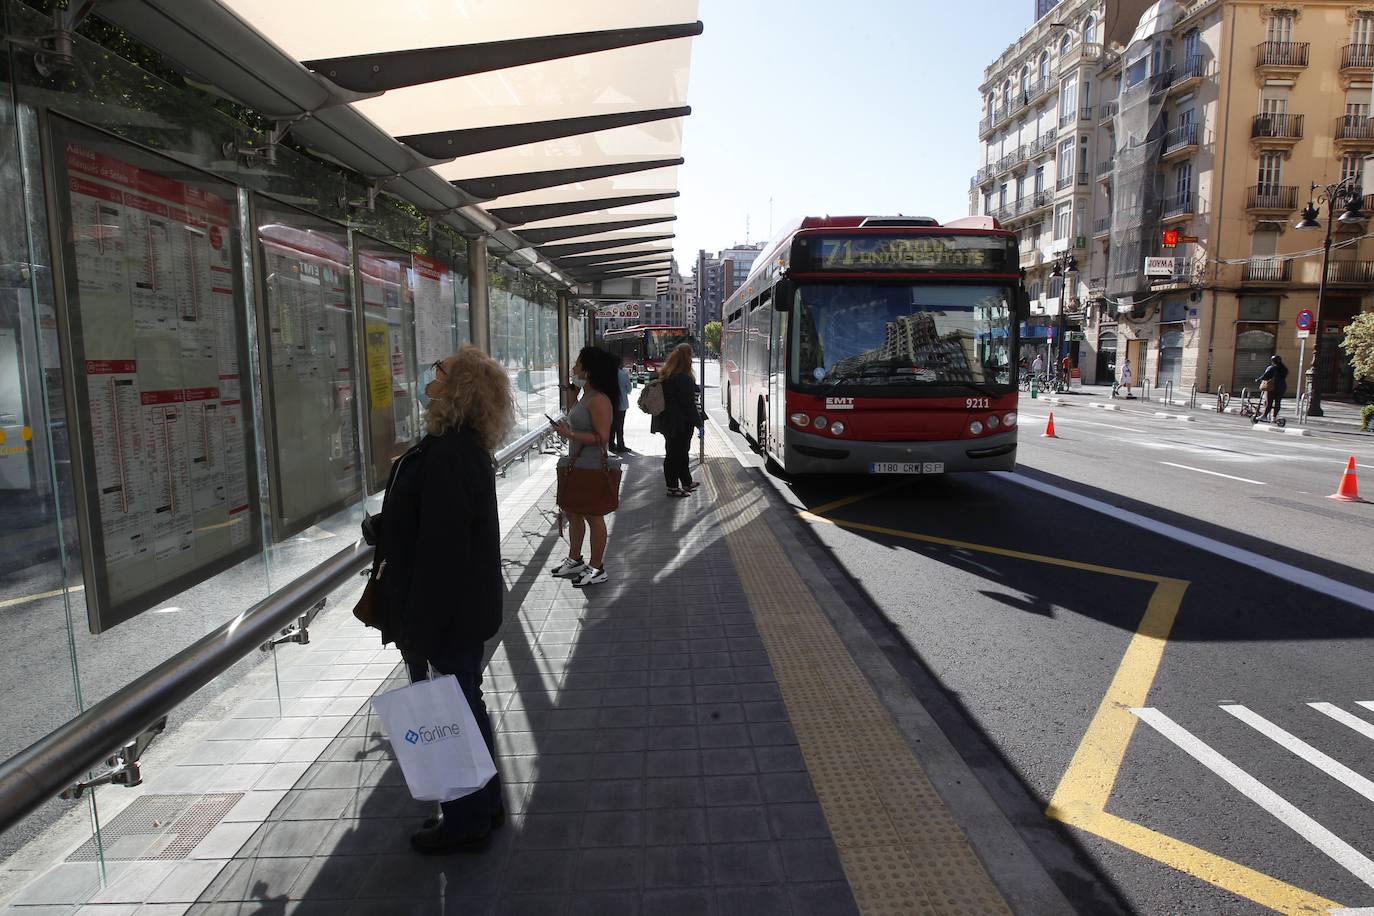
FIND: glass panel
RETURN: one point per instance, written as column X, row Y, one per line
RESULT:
column 1259, row 308
column 308, row 353
column 387, row 299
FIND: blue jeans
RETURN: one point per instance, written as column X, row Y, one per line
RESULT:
column 470, row 815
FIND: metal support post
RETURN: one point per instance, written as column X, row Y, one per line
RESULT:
column 478, row 289
column 564, row 357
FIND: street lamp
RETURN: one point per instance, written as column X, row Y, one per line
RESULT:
column 1064, row 264
column 1347, row 194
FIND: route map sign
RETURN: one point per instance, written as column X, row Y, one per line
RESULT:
column 151, row 303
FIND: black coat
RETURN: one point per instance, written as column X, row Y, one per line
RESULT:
column 1278, row 375
column 679, row 415
column 438, row 562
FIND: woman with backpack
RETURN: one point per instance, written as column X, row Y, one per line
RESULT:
column 677, row 420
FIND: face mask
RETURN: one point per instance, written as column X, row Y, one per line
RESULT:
column 426, row 377
column 579, row 382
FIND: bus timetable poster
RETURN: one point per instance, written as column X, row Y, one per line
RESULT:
column 153, row 310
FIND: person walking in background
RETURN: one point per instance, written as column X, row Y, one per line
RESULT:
column 678, row 419
column 588, row 429
column 1038, row 367
column 437, row 569
column 1274, row 383
column 621, row 405
column 1126, row 376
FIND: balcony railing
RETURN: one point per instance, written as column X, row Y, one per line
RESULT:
column 1350, row 272
column 1109, row 109
column 1289, row 54
column 1276, row 127
column 1037, row 89
column 1354, row 127
column 1105, row 167
column 1085, row 113
column 1179, row 204
column 1102, row 226
column 1042, row 143
column 1180, row 137
column 1042, row 198
column 1271, row 197
column 1083, row 177
column 1192, row 68
column 1065, row 181
column 1082, row 53
column 1357, row 57
column 1267, row 270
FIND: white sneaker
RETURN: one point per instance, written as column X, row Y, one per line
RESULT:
column 590, row 576
column 569, row 568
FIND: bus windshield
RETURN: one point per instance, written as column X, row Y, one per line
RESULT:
column 903, row 334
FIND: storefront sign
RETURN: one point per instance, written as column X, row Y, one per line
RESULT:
column 1159, row 267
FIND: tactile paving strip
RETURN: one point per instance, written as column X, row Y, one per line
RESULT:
column 159, row 827
column 902, row 852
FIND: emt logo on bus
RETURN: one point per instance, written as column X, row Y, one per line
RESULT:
column 839, row 403
column 905, row 252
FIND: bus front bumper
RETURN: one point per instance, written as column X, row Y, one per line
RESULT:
column 808, row 453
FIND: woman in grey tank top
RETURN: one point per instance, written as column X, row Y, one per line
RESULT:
column 588, row 431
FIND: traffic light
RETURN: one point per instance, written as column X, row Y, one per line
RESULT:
column 1170, row 238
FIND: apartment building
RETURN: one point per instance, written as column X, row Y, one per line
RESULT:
column 1213, row 121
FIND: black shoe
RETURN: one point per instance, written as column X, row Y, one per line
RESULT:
column 431, row 841
column 498, row 820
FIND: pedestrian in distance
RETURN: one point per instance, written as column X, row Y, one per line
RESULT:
column 1274, row 383
column 595, row 381
column 437, row 569
column 679, row 417
column 1126, row 377
column 621, row 405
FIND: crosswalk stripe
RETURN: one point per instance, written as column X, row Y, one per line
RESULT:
column 1348, row 719
column 1339, row 851
column 1328, row 765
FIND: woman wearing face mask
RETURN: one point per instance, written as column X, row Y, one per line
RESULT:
column 438, row 563
column 588, row 429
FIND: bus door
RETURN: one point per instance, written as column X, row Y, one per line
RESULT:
column 777, row 377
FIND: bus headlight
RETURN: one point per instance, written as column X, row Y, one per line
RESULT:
column 975, row 427
column 1009, row 419
column 819, row 422
column 800, row 419
column 993, row 422
column 837, row 428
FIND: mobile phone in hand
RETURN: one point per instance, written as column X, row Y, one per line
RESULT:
column 552, row 421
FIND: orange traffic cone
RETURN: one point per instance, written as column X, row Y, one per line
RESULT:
column 1049, row 428
column 1349, row 490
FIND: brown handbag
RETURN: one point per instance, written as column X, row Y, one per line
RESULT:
column 589, row 491
column 369, row 608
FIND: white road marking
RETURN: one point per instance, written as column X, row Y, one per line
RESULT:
column 1187, row 467
column 1347, row 719
column 1324, row 585
column 1339, row 851
column 1367, row 704
column 1290, row 742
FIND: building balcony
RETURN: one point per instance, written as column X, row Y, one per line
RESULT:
column 1105, row 168
column 985, row 127
column 1359, row 272
column 1354, row 132
column 1083, row 178
column 1081, row 53
column 1108, row 110
column 1276, row 130
column 1179, row 143
column 1178, row 208
column 1266, row 270
column 1041, row 200
column 1188, row 76
column 1042, row 144
column 1102, row 227
column 1272, row 200
column 1030, row 257
column 1065, row 181
column 1182, row 273
column 1085, row 113
column 1357, row 60
column 1037, row 89
column 1281, row 58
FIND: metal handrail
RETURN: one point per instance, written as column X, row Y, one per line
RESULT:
column 1144, row 388
column 51, row 764
column 48, row 766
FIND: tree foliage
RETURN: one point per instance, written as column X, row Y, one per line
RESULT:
column 1359, row 344
column 712, row 332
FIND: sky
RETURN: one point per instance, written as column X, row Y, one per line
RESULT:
column 857, row 107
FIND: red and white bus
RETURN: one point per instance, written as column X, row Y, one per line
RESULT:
column 877, row 345
column 646, row 346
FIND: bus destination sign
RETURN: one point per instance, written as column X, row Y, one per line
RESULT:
column 904, row 252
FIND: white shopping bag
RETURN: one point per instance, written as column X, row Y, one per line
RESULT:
column 435, row 739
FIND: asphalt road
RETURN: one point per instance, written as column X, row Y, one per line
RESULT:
column 1188, row 706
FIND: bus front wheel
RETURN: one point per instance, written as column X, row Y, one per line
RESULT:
column 730, row 409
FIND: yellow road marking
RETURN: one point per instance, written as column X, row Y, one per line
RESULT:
column 25, row 599
column 850, row 500
column 1085, row 788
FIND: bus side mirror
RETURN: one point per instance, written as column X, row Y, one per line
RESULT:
column 1022, row 304
column 782, row 295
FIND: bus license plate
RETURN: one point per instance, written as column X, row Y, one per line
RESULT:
column 906, row 467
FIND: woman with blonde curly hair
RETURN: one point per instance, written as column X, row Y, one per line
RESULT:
column 438, row 563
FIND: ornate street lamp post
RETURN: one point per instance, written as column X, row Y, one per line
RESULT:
column 1064, row 264
column 1347, row 195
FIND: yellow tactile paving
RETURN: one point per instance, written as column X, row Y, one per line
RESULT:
column 902, row 852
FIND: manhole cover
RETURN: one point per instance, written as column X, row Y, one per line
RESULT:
column 159, row 827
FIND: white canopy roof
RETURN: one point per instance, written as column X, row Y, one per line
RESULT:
column 557, row 123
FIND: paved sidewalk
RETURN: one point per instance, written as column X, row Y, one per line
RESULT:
column 692, row 737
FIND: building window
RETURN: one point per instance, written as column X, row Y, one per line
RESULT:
column 987, row 203
column 1280, row 27
column 1183, row 181
column 1362, row 30
column 1192, row 47
column 1063, row 221
column 1270, row 172
column 1352, row 166
column 1002, row 195
column 1089, row 30
column 1065, row 163
column 1065, row 44
column 1044, row 71
column 1039, row 178
column 1025, row 84
column 1068, row 99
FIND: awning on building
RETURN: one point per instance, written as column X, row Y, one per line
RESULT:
column 554, row 127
